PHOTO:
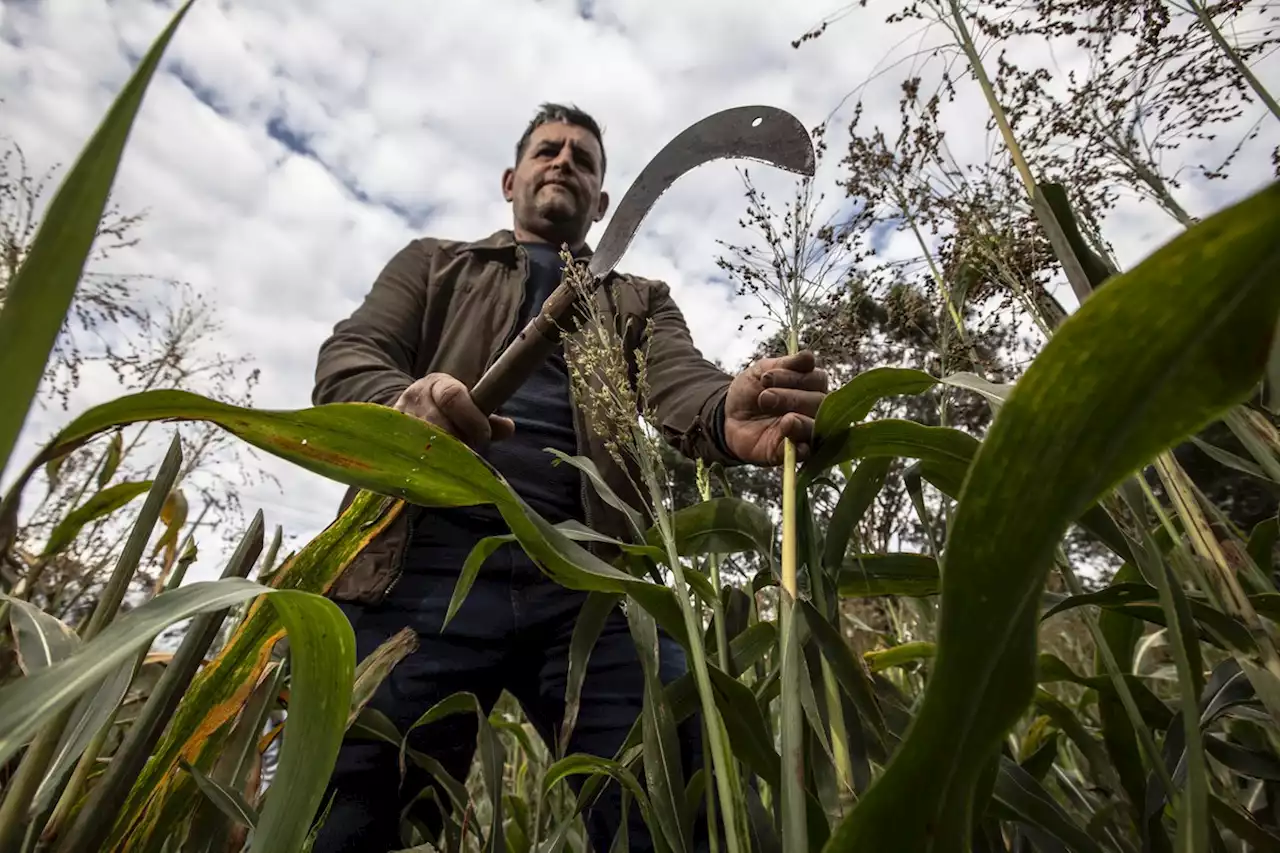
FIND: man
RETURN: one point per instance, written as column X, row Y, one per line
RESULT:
column 436, row 317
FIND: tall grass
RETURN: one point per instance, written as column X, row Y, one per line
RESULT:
column 968, row 738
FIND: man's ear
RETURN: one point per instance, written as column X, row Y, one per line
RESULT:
column 602, row 207
column 508, row 183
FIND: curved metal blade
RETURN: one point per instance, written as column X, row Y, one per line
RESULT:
column 765, row 134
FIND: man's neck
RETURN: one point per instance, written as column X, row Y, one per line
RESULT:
column 525, row 236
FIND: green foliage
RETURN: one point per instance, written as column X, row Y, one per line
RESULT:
column 928, row 701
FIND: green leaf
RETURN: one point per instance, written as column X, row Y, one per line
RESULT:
column 889, row 574
column 719, row 526
column 663, row 769
column 483, row 550
column 228, row 800
column 579, row 765
column 853, row 401
column 607, row 494
column 850, row 673
column 1149, row 359
column 111, row 459
column 994, row 392
column 900, row 655
column 93, row 710
column 855, row 499
column 1229, row 460
column 322, row 654
column 489, row 747
column 896, row 439
column 39, row 639
column 163, row 798
column 322, row 648
column 26, row 703
column 1262, row 543
column 99, row 505
column 377, row 448
column 749, row 735
column 40, row 294
column 1140, row 601
column 1024, row 796
column 587, row 626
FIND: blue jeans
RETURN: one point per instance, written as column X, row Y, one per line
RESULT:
column 512, row 632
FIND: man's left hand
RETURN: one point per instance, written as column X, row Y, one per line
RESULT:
column 772, row 400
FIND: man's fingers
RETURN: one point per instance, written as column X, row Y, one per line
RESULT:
column 782, row 400
column 454, row 402
column 501, row 428
column 801, row 362
column 798, row 428
column 781, row 377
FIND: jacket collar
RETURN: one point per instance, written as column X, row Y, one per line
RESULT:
column 504, row 240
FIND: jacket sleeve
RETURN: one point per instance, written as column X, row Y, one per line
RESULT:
column 369, row 357
column 686, row 391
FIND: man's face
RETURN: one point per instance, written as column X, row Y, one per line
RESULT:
column 555, row 188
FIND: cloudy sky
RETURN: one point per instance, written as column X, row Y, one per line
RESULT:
column 289, row 148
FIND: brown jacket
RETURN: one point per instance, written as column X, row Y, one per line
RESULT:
column 450, row 307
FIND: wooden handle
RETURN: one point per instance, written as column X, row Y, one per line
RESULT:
column 516, row 364
column 527, row 352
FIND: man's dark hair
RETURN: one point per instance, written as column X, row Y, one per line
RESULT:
column 568, row 114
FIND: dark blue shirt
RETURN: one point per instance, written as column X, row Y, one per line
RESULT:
column 542, row 409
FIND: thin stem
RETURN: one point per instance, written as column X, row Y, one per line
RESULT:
column 722, row 762
column 1248, row 75
column 1195, row 798
column 794, row 827
column 1057, row 237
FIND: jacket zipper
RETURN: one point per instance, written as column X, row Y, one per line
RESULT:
column 523, row 262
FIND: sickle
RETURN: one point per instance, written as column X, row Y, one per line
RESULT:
column 765, row 134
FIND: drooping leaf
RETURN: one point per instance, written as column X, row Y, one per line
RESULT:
column 111, row 459
column 900, row 655
column 1024, row 796
column 375, row 668
column 850, row 673
column 1144, row 362
column 607, row 494
column 889, row 574
column 719, row 526
column 663, row 769
column 577, row 765
column 749, row 736
column 1140, row 601
column 852, row 402
column 40, row 293
column 859, row 491
column 98, row 506
column 587, row 626
column 898, row 439
column 228, row 800
column 39, row 639
column 163, row 797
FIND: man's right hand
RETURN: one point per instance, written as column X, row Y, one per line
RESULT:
column 440, row 399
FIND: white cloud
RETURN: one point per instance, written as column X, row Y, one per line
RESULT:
column 404, row 115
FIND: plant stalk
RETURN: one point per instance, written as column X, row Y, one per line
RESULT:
column 1048, row 220
column 90, row 829
column 1216, row 34
column 794, row 826
column 721, row 759
column 35, row 762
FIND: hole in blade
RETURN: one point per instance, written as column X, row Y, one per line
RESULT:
column 758, row 121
